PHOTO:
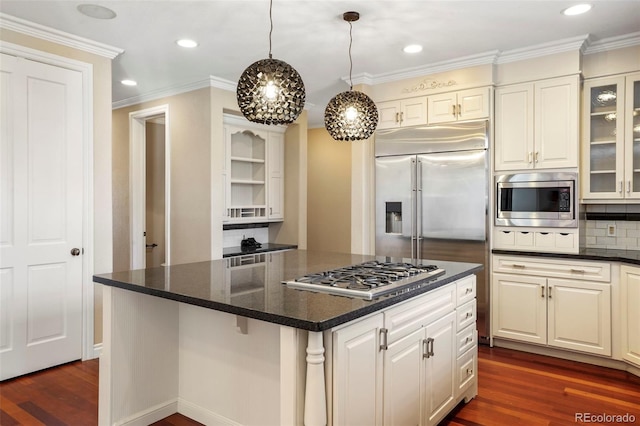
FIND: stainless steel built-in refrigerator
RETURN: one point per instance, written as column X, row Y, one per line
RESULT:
column 432, row 198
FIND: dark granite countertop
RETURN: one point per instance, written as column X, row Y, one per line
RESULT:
column 609, row 255
column 241, row 290
column 264, row 248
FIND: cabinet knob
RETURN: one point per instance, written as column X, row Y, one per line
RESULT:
column 75, row 252
column 469, row 371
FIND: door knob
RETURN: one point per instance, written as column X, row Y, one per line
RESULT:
column 75, row 252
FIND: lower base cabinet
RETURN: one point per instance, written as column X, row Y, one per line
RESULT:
column 423, row 364
column 530, row 306
column 409, row 365
column 630, row 297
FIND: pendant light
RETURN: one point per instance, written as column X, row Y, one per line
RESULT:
column 351, row 115
column 270, row 91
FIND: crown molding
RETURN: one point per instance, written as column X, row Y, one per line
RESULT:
column 170, row 91
column 544, row 49
column 221, row 83
column 32, row 29
column 612, row 43
column 464, row 62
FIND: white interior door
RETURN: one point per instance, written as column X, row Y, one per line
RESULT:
column 41, row 171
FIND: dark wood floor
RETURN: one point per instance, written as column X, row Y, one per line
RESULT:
column 515, row 388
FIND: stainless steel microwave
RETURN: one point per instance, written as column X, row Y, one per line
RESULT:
column 537, row 199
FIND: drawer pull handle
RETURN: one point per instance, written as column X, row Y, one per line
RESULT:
column 469, row 371
column 506, row 232
column 544, row 233
column 541, row 291
column 468, row 340
column 383, row 338
column 468, row 290
column 469, row 315
column 427, row 347
column 550, row 288
column 577, row 271
column 518, row 265
column 564, row 234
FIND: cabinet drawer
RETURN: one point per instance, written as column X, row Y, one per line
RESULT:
column 524, row 239
column 467, row 369
column 466, row 290
column 504, row 239
column 466, row 315
column 545, row 240
column 419, row 312
column 551, row 268
column 466, row 339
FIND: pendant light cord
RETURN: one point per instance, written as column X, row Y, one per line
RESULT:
column 350, row 60
column 271, row 26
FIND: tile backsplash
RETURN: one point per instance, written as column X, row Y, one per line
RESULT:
column 615, row 232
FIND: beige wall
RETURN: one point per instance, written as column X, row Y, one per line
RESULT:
column 329, row 193
column 102, row 213
column 190, row 194
column 294, row 228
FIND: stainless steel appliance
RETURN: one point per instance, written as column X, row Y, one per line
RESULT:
column 432, row 198
column 536, row 199
column 368, row 280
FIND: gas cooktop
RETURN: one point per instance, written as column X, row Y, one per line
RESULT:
column 367, row 280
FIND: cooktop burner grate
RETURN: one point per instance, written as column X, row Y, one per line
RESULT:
column 367, row 280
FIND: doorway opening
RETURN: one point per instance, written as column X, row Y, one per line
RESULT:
column 149, row 173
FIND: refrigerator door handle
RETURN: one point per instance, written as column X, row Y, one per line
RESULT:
column 413, row 207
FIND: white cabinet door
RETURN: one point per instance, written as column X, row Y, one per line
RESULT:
column 413, row 111
column 440, row 377
column 514, row 127
column 463, row 105
column 442, row 108
column 357, row 373
column 406, row 112
column 630, row 297
column 519, row 308
column 41, row 193
column 579, row 316
column 632, row 136
column 536, row 125
column 404, row 380
column 556, row 123
column 473, row 103
column 275, row 166
column 388, row 114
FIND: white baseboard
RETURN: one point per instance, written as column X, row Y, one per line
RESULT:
column 202, row 415
column 151, row 415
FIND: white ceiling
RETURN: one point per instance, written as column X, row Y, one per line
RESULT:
column 312, row 37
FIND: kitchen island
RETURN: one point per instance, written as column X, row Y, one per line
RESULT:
column 224, row 341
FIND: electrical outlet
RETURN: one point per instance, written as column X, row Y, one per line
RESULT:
column 611, row 230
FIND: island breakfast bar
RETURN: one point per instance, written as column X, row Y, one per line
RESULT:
column 226, row 342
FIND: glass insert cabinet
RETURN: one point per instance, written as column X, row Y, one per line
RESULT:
column 611, row 138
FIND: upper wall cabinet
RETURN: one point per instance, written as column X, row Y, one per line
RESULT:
column 611, row 145
column 253, row 174
column 463, row 105
column 406, row 112
column 536, row 125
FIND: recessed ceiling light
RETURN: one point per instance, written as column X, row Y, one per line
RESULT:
column 129, row 82
column 96, row 11
column 577, row 9
column 412, row 48
column 187, row 43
